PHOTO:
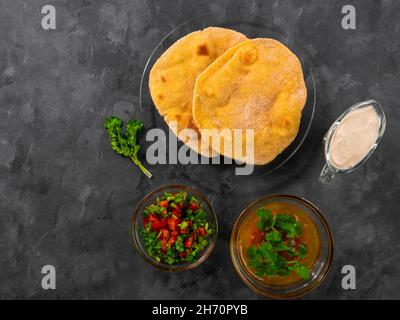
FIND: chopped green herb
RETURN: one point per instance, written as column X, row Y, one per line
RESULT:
column 183, row 225
column 274, row 237
column 288, row 224
column 277, row 254
column 265, row 219
column 303, row 250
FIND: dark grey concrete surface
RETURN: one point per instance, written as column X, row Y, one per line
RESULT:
column 66, row 199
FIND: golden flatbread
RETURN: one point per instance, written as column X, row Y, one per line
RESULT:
column 258, row 85
column 173, row 76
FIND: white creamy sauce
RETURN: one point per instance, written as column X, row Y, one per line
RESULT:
column 354, row 138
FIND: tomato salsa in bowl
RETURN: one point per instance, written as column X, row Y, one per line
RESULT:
column 281, row 246
column 174, row 228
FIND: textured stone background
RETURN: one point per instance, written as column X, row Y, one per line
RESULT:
column 66, row 199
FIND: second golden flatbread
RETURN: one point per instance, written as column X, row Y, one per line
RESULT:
column 258, row 85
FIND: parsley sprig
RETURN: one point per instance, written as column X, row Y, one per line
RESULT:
column 278, row 254
column 126, row 144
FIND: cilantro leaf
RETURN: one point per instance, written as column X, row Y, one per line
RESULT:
column 274, row 236
column 302, row 251
column 301, row 270
column 265, row 219
column 267, row 252
column 282, row 247
column 288, row 224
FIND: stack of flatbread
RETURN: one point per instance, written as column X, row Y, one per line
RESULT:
column 217, row 79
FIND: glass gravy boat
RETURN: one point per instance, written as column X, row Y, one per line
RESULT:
column 329, row 170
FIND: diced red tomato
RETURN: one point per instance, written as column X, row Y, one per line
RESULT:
column 189, row 242
column 284, row 255
column 184, row 231
column 171, row 241
column 164, row 234
column 164, row 245
column 257, row 237
column 172, row 223
column 202, row 231
column 164, row 204
column 174, row 233
column 177, row 212
column 150, row 218
column 193, row 206
column 183, row 254
column 155, row 222
column 158, row 225
column 190, row 223
column 295, row 242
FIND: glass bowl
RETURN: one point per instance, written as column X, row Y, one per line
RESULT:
column 321, row 264
column 137, row 224
column 252, row 26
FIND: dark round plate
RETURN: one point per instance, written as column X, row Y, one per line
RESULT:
column 252, row 27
